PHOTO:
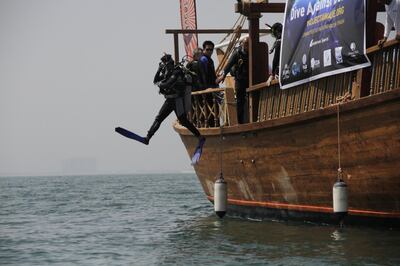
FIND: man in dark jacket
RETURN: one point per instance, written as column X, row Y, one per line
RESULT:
column 174, row 85
column 276, row 31
column 208, row 65
column 238, row 66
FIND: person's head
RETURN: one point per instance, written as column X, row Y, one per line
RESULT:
column 208, row 48
column 245, row 44
column 276, row 30
column 197, row 53
column 167, row 61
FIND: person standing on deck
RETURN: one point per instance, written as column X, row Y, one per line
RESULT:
column 238, row 66
column 208, row 65
column 276, row 31
column 208, row 68
column 195, row 67
column 392, row 8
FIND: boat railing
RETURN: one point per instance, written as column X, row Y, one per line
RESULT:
column 385, row 70
column 213, row 107
column 271, row 102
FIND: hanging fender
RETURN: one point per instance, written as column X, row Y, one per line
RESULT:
column 220, row 197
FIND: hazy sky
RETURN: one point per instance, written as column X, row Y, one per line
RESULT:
column 73, row 70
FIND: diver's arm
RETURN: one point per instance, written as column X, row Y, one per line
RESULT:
column 166, row 84
column 158, row 76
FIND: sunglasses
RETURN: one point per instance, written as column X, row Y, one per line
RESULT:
column 209, row 49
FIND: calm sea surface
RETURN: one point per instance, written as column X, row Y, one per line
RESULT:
column 161, row 220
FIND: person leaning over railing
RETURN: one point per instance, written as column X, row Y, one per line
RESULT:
column 392, row 8
column 238, row 66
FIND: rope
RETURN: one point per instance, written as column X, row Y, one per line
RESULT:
column 232, row 42
column 338, row 141
column 221, row 127
column 220, row 149
column 234, row 26
column 345, row 98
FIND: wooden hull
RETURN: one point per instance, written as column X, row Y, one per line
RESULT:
column 285, row 168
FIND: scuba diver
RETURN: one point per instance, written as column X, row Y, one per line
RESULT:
column 175, row 83
column 176, row 87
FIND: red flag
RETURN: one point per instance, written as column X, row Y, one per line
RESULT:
column 189, row 21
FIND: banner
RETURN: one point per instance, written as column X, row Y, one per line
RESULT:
column 321, row 38
column 189, row 21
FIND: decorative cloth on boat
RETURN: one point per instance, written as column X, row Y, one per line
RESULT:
column 322, row 38
column 189, row 21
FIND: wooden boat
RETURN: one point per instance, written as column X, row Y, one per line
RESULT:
column 283, row 163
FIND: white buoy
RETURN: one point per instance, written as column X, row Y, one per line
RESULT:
column 220, row 197
column 340, row 203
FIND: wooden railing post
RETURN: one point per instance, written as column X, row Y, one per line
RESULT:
column 231, row 106
column 176, row 48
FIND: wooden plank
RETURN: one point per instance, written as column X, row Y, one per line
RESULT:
column 278, row 102
column 176, row 49
column 261, row 106
column 248, row 8
column 231, row 106
column 387, row 44
column 285, row 103
column 356, row 86
column 210, row 31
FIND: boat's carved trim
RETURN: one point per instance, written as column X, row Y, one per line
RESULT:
column 307, row 208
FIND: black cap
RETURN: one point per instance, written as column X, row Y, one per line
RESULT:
column 166, row 58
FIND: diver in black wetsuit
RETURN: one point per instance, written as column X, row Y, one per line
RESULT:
column 175, row 85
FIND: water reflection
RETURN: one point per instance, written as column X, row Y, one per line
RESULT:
column 244, row 241
column 338, row 235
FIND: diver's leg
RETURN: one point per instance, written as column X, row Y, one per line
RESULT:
column 165, row 110
column 186, row 123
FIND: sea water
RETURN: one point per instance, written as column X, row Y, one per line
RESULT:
column 162, row 219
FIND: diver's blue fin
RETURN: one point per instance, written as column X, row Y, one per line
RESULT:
column 199, row 149
column 131, row 135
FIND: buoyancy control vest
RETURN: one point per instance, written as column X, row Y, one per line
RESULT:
column 174, row 82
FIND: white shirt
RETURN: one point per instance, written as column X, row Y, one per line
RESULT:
column 392, row 17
